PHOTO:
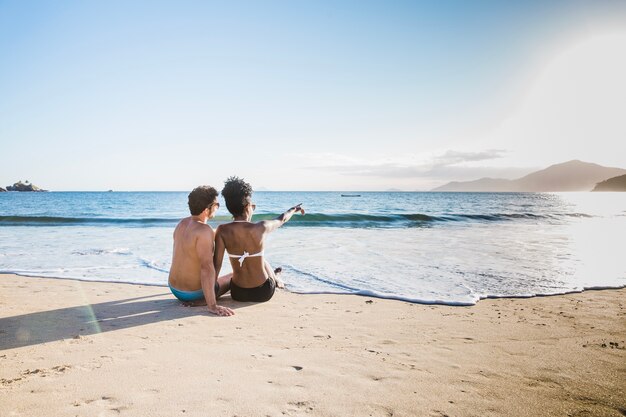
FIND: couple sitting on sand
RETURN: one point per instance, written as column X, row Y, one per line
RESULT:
column 199, row 251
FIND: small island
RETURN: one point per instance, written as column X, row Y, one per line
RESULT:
column 23, row 186
column 612, row 184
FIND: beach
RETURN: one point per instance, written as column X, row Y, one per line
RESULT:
column 427, row 178
column 75, row 348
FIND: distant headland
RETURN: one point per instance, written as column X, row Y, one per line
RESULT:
column 22, row 186
column 612, row 184
column 568, row 176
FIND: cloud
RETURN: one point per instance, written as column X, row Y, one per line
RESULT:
column 388, row 170
column 449, row 165
column 451, row 157
column 441, row 172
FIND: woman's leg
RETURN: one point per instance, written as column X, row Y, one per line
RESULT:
column 224, row 283
column 274, row 273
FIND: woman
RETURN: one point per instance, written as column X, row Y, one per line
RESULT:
column 253, row 278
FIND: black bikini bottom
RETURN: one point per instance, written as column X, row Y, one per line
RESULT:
column 259, row 294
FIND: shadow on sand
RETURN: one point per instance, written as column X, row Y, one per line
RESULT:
column 72, row 322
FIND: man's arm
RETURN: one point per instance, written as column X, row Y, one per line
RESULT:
column 204, row 249
column 271, row 225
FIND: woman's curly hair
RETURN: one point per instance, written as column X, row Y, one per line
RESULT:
column 237, row 194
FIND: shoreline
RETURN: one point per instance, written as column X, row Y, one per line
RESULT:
column 361, row 293
column 96, row 348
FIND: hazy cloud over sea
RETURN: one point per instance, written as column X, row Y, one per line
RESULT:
column 448, row 165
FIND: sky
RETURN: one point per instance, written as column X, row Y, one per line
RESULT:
column 306, row 95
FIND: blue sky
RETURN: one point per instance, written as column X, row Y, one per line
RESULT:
column 305, row 95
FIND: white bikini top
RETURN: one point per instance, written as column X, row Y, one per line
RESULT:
column 245, row 254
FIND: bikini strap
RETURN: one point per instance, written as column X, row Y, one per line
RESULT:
column 244, row 256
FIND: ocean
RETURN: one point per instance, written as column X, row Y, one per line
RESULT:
column 434, row 248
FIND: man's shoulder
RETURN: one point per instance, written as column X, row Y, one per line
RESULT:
column 183, row 221
column 195, row 227
column 180, row 225
column 204, row 229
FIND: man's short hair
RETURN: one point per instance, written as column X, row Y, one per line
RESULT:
column 237, row 194
column 200, row 198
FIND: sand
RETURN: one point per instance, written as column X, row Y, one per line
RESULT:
column 72, row 348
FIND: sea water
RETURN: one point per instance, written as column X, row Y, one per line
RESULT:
column 450, row 248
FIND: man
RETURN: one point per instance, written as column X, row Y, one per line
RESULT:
column 192, row 275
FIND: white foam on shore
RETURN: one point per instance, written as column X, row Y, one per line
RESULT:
column 82, row 279
column 363, row 293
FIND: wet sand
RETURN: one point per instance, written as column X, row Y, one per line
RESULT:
column 71, row 348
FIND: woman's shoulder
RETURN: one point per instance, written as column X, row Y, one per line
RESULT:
column 221, row 228
column 262, row 225
column 235, row 227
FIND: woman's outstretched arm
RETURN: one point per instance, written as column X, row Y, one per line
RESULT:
column 271, row 225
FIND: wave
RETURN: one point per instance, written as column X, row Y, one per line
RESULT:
column 313, row 219
column 411, row 219
column 70, row 221
column 116, row 251
column 146, row 263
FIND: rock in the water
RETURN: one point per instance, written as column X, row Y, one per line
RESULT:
column 2, row 190
column 20, row 186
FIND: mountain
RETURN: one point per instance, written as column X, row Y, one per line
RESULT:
column 569, row 176
column 612, row 184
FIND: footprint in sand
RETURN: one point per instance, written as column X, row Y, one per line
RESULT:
column 55, row 370
column 105, row 406
column 437, row 413
column 298, row 407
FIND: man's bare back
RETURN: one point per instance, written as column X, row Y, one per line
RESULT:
column 192, row 276
column 185, row 269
